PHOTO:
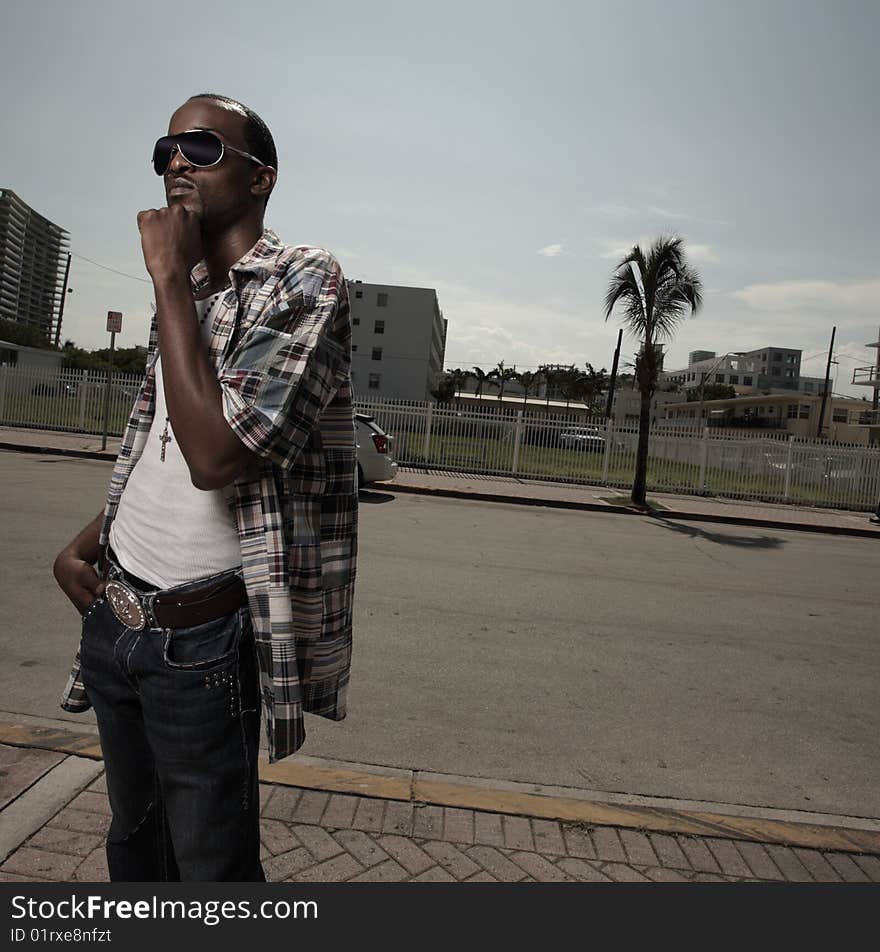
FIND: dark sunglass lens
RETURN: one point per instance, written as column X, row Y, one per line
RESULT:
column 200, row 148
column 162, row 154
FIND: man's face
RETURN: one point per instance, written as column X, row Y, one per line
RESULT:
column 219, row 195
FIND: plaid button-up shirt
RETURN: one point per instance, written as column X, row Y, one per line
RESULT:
column 281, row 346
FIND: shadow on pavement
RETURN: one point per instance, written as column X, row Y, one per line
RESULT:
column 366, row 495
column 721, row 538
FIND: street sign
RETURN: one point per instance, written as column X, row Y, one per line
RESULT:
column 114, row 322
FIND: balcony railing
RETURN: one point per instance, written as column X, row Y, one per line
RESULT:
column 866, row 377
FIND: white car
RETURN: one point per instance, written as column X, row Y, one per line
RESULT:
column 586, row 438
column 375, row 462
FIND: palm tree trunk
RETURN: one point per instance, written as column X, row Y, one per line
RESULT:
column 641, row 477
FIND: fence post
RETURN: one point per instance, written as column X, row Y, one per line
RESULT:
column 3, row 375
column 788, row 456
column 83, row 394
column 609, row 440
column 704, row 453
column 426, row 447
column 517, row 439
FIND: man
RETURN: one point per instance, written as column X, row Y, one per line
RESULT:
column 219, row 578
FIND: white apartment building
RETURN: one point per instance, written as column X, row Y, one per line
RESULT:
column 398, row 341
column 767, row 369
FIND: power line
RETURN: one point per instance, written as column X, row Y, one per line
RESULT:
column 98, row 264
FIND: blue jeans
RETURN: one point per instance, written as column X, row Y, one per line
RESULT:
column 178, row 714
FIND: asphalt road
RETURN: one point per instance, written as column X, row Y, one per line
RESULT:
column 669, row 659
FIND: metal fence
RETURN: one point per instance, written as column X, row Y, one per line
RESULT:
column 528, row 442
column 573, row 448
column 71, row 400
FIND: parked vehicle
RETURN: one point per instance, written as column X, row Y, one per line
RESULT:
column 375, row 462
column 585, row 438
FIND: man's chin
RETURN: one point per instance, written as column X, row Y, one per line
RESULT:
column 188, row 200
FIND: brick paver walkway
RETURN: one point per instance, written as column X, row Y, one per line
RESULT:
column 310, row 836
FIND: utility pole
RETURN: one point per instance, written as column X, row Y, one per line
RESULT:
column 875, row 403
column 825, row 389
column 614, row 374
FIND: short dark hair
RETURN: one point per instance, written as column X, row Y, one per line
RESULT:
column 256, row 133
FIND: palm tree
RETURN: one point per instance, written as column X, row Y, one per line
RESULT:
column 591, row 384
column 527, row 380
column 502, row 374
column 459, row 378
column 480, row 376
column 655, row 289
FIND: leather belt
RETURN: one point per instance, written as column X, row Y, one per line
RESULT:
column 172, row 608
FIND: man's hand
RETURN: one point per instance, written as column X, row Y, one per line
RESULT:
column 78, row 579
column 171, row 240
column 74, row 566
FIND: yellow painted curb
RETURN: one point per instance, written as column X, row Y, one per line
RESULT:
column 336, row 780
column 380, row 785
column 655, row 819
column 50, row 738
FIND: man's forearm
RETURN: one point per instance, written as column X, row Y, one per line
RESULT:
column 85, row 546
column 213, row 453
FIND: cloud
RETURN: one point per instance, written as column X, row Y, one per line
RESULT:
column 857, row 297
column 553, row 251
column 700, row 253
column 617, row 211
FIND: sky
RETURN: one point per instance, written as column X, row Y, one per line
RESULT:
column 506, row 154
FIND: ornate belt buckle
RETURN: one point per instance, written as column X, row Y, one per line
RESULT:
column 125, row 605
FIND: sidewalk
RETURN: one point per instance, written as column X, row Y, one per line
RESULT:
column 509, row 489
column 324, row 821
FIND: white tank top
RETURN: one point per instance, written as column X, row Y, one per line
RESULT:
column 166, row 531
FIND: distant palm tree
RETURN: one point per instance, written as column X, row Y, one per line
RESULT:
column 528, row 381
column 550, row 376
column 501, row 375
column 459, row 378
column 591, row 384
column 480, row 376
column 655, row 289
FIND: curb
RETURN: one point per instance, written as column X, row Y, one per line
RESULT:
column 570, row 805
column 108, row 455
column 629, row 511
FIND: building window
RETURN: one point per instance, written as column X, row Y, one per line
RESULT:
column 379, row 327
column 358, row 294
column 808, row 388
column 719, row 378
column 789, row 374
column 791, row 359
column 377, row 353
column 381, row 299
column 355, row 321
column 839, row 416
column 792, row 411
column 804, row 411
column 734, row 378
column 747, row 381
column 374, row 381
column 777, row 358
column 354, row 348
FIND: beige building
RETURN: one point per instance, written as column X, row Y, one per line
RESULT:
column 846, row 418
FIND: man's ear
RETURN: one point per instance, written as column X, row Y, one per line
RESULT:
column 263, row 181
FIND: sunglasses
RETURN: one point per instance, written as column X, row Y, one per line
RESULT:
column 199, row 147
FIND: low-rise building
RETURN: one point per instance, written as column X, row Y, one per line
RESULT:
column 846, row 418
